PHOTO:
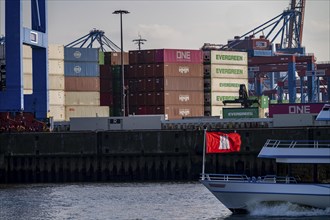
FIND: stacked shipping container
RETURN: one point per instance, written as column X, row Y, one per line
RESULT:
column 82, row 83
column 224, row 71
column 55, row 79
column 111, row 81
column 165, row 81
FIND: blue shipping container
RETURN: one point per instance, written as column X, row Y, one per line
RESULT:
column 81, row 54
column 260, row 53
column 83, row 69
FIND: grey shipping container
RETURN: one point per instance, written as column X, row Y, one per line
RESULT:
column 81, row 54
column 83, row 69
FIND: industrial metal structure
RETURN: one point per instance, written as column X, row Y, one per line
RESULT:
column 14, row 104
column 87, row 41
column 267, row 58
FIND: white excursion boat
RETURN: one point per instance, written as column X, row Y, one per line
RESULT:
column 238, row 192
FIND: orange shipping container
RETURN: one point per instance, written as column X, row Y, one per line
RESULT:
column 82, row 83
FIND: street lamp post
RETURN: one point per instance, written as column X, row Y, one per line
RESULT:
column 121, row 12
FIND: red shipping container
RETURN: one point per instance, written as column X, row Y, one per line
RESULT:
column 159, row 84
column 132, row 100
column 106, row 99
column 140, row 71
column 149, row 56
column 141, row 99
column 159, row 98
column 149, row 70
column 178, row 56
column 150, row 98
column 105, row 85
column 130, row 71
column 295, row 108
column 159, row 110
column 105, row 71
column 132, row 57
column 150, row 84
column 141, row 85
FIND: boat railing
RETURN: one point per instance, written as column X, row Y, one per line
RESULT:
column 226, row 177
column 245, row 178
column 297, row 143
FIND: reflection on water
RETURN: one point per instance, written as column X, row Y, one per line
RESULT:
column 123, row 201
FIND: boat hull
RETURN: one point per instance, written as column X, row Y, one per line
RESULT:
column 238, row 196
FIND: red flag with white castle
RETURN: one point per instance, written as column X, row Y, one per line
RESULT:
column 218, row 142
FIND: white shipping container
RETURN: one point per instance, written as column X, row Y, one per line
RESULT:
column 55, row 52
column 226, row 71
column 56, row 67
column 27, row 81
column 86, row 111
column 27, row 65
column 82, row 98
column 27, row 91
column 226, row 57
column 216, row 98
column 57, row 112
column 56, row 82
column 56, row 97
column 27, row 52
column 227, row 85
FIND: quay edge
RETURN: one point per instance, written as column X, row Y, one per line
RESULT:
column 151, row 155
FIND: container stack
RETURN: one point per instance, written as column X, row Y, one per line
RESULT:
column 111, row 81
column 82, row 83
column 165, row 81
column 55, row 79
column 224, row 71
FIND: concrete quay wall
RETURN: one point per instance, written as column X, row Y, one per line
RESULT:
column 153, row 155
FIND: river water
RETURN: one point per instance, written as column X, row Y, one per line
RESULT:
column 145, row 201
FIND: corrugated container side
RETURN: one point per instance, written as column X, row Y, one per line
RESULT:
column 240, row 113
column 150, row 84
column 27, row 81
column 178, row 56
column 105, row 72
column 178, row 70
column 226, row 71
column 57, row 112
column 132, row 57
column 160, row 99
column 82, row 98
column 106, row 99
column 130, row 71
column 183, row 70
column 159, row 84
column 132, row 99
column 149, row 56
column 82, row 84
column 150, row 98
column 227, row 85
column 27, row 65
column 184, row 84
column 27, row 52
column 140, row 71
column 106, row 85
column 101, row 57
column 83, row 69
column 149, row 70
column 226, row 57
column 140, row 85
column 86, row 111
column 81, row 54
column 56, row 97
column 56, row 67
column 184, row 98
column 216, row 98
column 55, row 52
column 178, row 112
column 56, row 82
column 114, row 58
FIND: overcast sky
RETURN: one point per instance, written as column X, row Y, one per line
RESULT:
column 178, row 24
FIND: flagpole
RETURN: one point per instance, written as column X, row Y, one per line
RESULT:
column 203, row 168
